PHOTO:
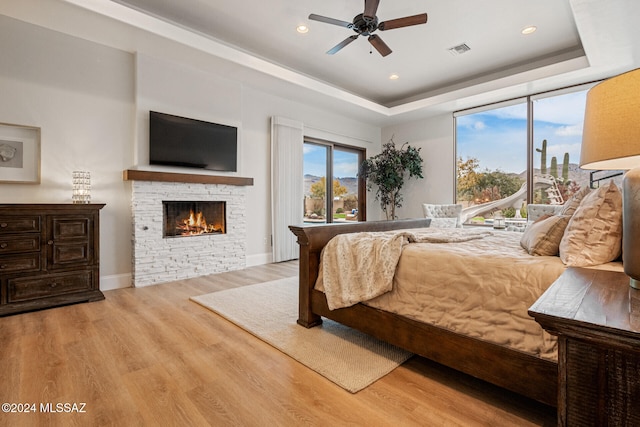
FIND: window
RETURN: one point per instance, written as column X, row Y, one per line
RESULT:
column 492, row 160
column 343, row 195
column 557, row 136
column 500, row 169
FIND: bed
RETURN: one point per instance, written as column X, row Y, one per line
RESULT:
column 530, row 374
column 500, row 271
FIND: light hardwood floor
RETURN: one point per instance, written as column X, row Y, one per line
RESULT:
column 150, row 357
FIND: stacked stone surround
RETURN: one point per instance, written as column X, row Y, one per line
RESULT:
column 159, row 260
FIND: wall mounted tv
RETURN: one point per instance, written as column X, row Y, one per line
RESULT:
column 179, row 141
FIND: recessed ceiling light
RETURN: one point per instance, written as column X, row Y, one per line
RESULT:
column 529, row 30
column 302, row 29
column 394, row 77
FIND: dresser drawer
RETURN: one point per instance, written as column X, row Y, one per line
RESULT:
column 23, row 289
column 22, row 243
column 20, row 263
column 19, row 224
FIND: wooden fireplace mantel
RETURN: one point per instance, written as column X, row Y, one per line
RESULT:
column 142, row 175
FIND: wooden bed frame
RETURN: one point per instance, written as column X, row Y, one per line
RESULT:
column 514, row 370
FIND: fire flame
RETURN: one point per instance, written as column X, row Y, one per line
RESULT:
column 197, row 224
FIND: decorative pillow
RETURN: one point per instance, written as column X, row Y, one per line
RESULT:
column 535, row 211
column 543, row 217
column 570, row 206
column 594, row 233
column 542, row 238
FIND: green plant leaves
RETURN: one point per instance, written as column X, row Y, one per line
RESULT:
column 387, row 172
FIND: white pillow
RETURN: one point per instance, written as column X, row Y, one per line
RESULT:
column 542, row 238
column 594, row 233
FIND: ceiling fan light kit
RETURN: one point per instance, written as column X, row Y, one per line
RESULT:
column 366, row 23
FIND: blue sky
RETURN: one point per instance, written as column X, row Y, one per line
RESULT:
column 345, row 164
column 498, row 138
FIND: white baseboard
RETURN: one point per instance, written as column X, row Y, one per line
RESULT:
column 259, row 259
column 115, row 281
column 119, row 281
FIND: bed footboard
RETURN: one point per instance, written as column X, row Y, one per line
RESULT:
column 312, row 238
column 516, row 371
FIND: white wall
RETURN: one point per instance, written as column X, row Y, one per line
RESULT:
column 92, row 103
column 81, row 96
column 258, row 107
column 435, row 138
column 181, row 89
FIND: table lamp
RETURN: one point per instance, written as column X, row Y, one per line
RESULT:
column 81, row 187
column 611, row 141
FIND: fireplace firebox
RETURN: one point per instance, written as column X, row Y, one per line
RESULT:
column 193, row 218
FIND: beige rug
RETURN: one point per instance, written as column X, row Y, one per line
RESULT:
column 269, row 310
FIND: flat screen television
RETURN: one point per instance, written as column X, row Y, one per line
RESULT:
column 180, row 141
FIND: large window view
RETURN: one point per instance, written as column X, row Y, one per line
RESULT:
column 492, row 161
column 336, row 199
column 493, row 155
column 557, row 135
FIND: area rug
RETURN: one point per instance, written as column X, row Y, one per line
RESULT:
column 268, row 310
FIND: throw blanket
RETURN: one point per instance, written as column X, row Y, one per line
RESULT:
column 357, row 267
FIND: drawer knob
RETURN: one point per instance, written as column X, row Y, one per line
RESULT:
column 3, row 245
column 50, row 242
column 4, row 225
column 3, row 266
column 53, row 285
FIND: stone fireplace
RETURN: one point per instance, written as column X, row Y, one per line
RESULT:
column 165, row 248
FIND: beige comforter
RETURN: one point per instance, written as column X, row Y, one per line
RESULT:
column 357, row 267
column 481, row 288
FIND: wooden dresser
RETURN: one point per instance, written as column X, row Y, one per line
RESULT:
column 49, row 255
column 596, row 316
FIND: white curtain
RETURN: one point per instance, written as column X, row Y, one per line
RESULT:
column 287, row 200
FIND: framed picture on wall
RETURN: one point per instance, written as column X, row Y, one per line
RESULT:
column 19, row 154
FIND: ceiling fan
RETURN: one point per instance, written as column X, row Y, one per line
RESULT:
column 366, row 24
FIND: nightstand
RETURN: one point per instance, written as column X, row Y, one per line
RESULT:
column 596, row 317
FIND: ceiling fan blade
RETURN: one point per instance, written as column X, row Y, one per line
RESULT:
column 407, row 21
column 326, row 20
column 370, row 9
column 342, row 44
column 380, row 46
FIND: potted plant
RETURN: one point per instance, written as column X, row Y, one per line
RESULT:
column 387, row 172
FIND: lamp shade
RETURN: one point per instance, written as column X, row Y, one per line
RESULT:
column 611, row 134
column 611, row 140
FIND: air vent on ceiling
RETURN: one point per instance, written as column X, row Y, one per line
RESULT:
column 459, row 50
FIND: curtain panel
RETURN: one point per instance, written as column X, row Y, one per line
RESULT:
column 287, row 196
